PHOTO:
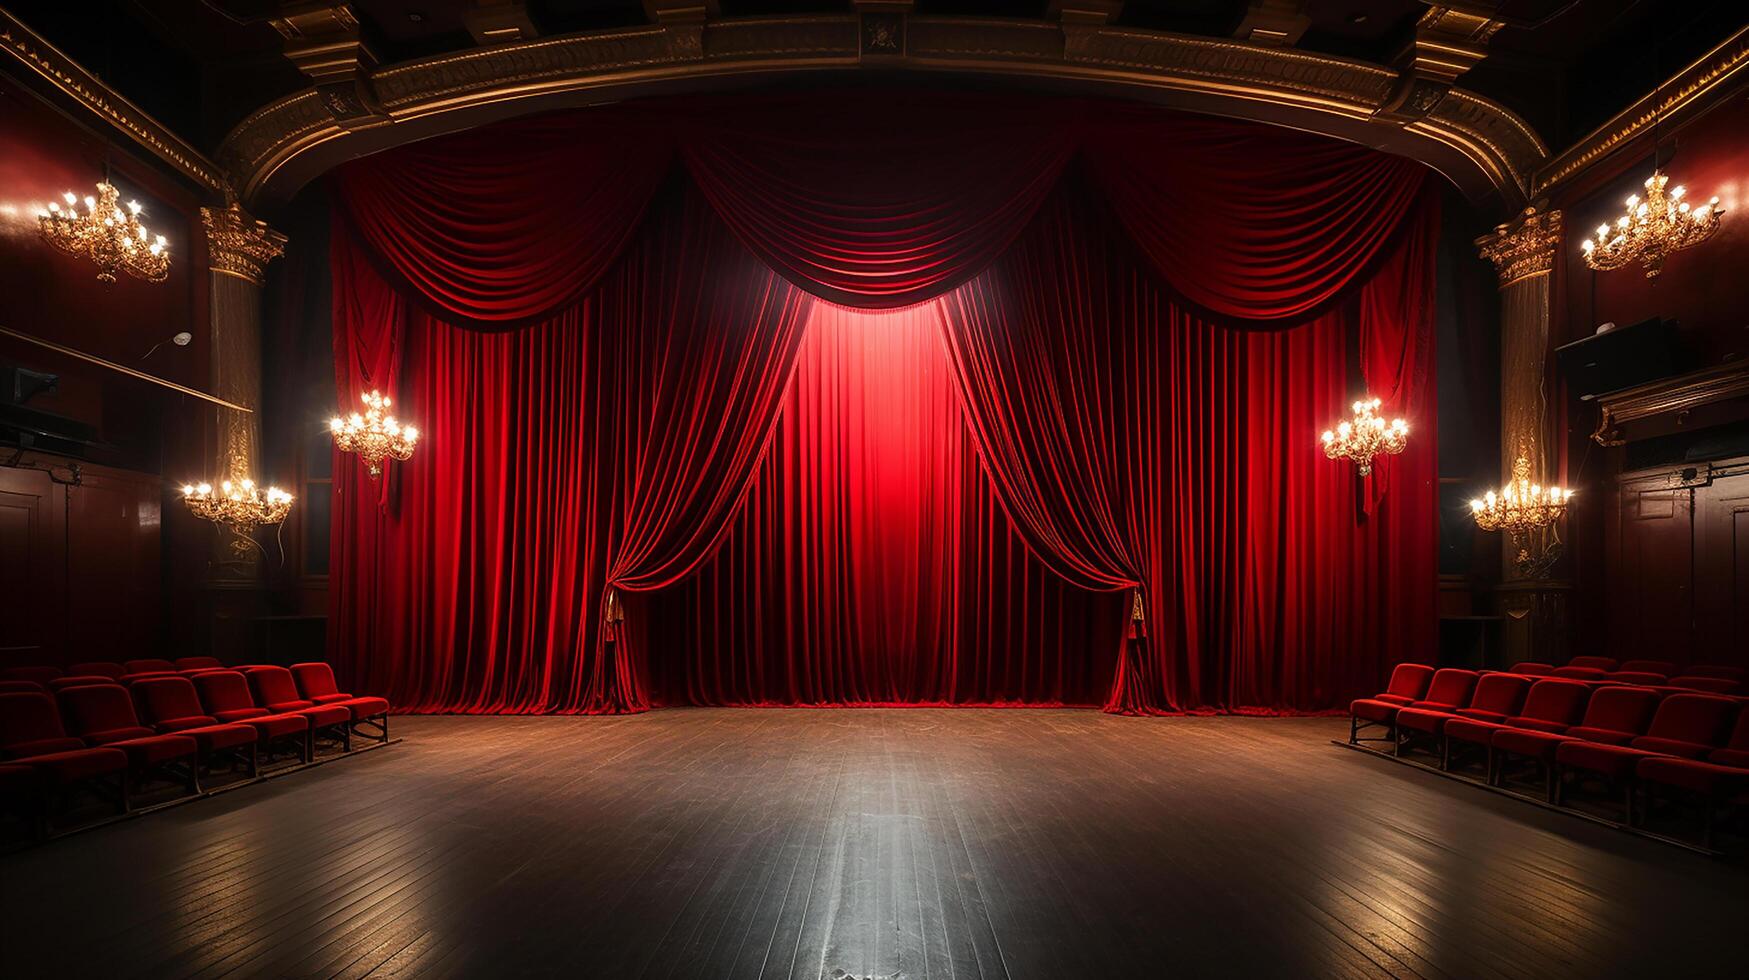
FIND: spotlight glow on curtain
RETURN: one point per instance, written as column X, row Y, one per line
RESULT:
column 1142, row 390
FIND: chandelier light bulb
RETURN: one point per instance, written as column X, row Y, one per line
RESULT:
column 240, row 506
column 1365, row 436
column 1652, row 228
column 108, row 241
column 374, row 435
column 1521, row 506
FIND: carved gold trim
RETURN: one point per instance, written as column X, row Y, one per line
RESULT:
column 239, row 245
column 1680, row 394
column 49, row 63
column 1483, row 146
column 1690, row 90
column 1523, row 247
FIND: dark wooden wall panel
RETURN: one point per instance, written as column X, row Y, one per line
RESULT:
column 1678, row 583
column 80, row 576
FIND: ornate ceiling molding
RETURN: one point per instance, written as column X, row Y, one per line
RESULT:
column 1483, row 148
column 1690, row 92
column 44, row 60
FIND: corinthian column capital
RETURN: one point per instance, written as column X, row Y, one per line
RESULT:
column 1523, row 247
column 238, row 244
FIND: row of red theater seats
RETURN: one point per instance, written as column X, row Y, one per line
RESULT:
column 1691, row 744
column 98, row 732
column 1655, row 673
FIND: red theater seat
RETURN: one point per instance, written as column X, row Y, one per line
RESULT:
column 1532, row 668
column 224, row 694
column 198, row 663
column 1663, row 667
column 99, row 668
column 316, row 683
column 171, row 706
column 1736, row 750
column 79, row 680
column 150, row 666
column 31, row 735
column 1593, row 663
column 1496, row 697
column 103, row 715
column 36, row 675
column 1581, row 673
column 21, row 687
column 1636, row 677
column 1737, row 674
column 1686, row 725
column 1614, row 715
column 1715, row 685
column 1408, row 683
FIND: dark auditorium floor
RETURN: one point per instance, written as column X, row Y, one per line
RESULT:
column 882, row 843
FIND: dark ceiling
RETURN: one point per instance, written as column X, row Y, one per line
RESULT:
column 1565, row 66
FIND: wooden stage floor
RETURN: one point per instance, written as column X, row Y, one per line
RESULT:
column 881, row 843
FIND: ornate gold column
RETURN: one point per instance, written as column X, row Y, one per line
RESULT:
column 1523, row 252
column 238, row 250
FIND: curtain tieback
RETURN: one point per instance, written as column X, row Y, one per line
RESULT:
column 1138, row 628
column 612, row 615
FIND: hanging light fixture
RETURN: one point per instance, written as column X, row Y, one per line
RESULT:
column 111, row 237
column 237, row 504
column 1366, row 436
column 1521, row 507
column 1651, row 229
column 374, row 435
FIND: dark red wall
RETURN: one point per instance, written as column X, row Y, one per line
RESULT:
column 1661, row 569
column 86, row 559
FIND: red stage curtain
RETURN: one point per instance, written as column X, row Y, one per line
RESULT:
column 1138, row 445
column 872, row 563
column 507, row 225
column 1133, row 442
column 883, row 199
column 1246, row 221
column 605, row 447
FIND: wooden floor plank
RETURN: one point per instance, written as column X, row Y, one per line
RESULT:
column 915, row 844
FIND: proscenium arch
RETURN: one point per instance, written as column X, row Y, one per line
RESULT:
column 1486, row 151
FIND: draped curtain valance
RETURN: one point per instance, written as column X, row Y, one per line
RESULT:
column 876, row 200
column 1087, row 264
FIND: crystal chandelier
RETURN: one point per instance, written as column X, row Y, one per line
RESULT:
column 112, row 238
column 1652, row 229
column 240, row 505
column 1521, row 507
column 1366, row 436
column 375, row 435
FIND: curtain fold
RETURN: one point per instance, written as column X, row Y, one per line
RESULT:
column 1137, row 445
column 507, row 225
column 1249, row 223
column 599, row 360
column 871, row 563
column 602, row 448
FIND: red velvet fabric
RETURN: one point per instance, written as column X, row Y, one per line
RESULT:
column 1132, row 434
column 1137, row 445
column 872, row 564
column 606, row 447
column 506, row 225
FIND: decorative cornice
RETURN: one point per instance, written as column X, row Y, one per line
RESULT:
column 86, row 90
column 1677, row 395
column 1523, row 247
column 1483, row 147
column 1689, row 91
column 239, row 245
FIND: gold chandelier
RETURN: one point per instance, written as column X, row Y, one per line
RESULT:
column 112, row 238
column 1652, row 229
column 240, row 505
column 1365, row 436
column 1521, row 507
column 375, row 435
